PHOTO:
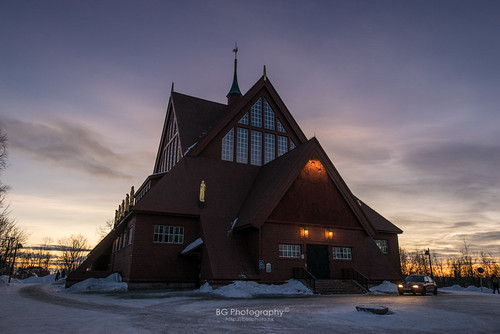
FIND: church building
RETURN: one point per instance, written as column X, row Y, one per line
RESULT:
column 238, row 192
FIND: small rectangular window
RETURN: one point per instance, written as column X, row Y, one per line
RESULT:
column 342, row 253
column 382, row 244
column 158, row 233
column 168, row 234
column 130, row 235
column 291, row 251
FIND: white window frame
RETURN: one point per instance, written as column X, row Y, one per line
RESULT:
column 168, row 234
column 342, row 253
column 289, row 251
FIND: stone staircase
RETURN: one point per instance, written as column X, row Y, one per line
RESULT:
column 338, row 286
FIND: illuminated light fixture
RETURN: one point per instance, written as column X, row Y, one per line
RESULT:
column 305, row 232
column 329, row 233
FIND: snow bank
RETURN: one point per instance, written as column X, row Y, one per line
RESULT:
column 43, row 279
column 112, row 283
column 249, row 289
column 471, row 288
column 385, row 287
column 4, row 280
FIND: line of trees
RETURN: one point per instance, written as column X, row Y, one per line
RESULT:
column 68, row 254
column 460, row 269
column 41, row 260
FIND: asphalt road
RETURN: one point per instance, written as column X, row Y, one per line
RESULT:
column 40, row 309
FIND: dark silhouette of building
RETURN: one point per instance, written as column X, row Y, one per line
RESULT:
column 239, row 193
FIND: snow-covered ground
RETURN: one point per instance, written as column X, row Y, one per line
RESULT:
column 32, row 307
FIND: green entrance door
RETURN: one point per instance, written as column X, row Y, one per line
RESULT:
column 318, row 263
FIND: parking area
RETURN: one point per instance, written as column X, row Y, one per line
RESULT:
column 40, row 308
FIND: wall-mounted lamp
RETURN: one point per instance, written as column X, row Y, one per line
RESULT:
column 329, row 233
column 304, row 232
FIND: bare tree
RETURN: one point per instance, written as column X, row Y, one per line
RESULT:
column 488, row 263
column 103, row 231
column 3, row 162
column 11, row 235
column 405, row 262
column 44, row 255
column 73, row 250
column 438, row 266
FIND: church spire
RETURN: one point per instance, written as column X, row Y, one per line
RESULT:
column 234, row 92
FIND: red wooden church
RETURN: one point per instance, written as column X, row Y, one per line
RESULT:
column 239, row 193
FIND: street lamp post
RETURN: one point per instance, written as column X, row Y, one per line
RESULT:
column 428, row 252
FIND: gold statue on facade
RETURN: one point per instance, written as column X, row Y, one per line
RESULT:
column 203, row 187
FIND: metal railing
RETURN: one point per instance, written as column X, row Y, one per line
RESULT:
column 304, row 274
column 353, row 274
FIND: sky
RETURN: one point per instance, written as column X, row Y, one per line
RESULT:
column 402, row 95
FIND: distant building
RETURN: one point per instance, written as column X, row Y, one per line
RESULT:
column 239, row 193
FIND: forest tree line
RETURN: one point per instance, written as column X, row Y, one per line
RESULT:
column 459, row 269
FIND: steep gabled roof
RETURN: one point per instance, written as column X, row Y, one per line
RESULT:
column 237, row 110
column 227, row 184
column 380, row 223
column 177, row 192
column 275, row 178
column 194, row 118
column 270, row 182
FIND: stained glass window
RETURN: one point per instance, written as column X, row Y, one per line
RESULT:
column 242, row 146
column 256, row 148
column 282, row 145
column 280, row 127
column 257, row 114
column 268, row 116
column 269, row 153
column 228, row 146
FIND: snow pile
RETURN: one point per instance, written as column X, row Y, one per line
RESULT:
column 249, row 289
column 43, row 279
column 4, row 280
column 112, row 283
column 192, row 245
column 471, row 288
column 385, row 287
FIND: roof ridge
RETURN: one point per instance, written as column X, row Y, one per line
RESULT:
column 199, row 98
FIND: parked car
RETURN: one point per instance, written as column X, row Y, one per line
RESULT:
column 418, row 284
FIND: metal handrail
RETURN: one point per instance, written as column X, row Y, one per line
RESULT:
column 304, row 274
column 353, row 274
